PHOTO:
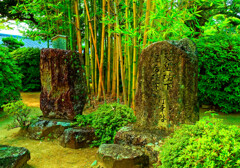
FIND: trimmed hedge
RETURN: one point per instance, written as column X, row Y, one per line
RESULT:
column 10, row 80
column 28, row 59
column 219, row 71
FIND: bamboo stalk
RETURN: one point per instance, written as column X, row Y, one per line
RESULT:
column 87, row 53
column 95, row 47
column 102, row 47
column 114, row 67
column 119, row 50
column 134, row 57
column 146, row 22
column 70, row 24
column 79, row 39
column 109, row 52
column 95, row 36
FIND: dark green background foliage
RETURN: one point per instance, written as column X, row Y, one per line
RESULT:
column 10, row 80
column 28, row 60
column 219, row 68
column 12, row 43
column 207, row 144
column 107, row 120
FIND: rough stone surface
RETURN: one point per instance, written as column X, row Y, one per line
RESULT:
column 50, row 128
column 77, row 137
column 119, row 156
column 130, row 136
column 166, row 92
column 13, row 157
column 63, row 92
column 146, row 139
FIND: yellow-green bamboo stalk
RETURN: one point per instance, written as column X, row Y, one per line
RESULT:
column 119, row 50
column 95, row 47
column 79, row 39
column 102, row 47
column 134, row 56
column 109, row 52
column 146, row 22
column 95, row 36
column 114, row 67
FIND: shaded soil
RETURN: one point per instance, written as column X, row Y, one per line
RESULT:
column 44, row 154
column 49, row 154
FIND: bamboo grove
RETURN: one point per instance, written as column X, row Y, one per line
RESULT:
column 112, row 33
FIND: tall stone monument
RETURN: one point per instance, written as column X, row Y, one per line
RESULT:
column 167, row 85
column 63, row 92
column 166, row 95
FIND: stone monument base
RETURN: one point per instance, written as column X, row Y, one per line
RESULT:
column 45, row 127
column 143, row 141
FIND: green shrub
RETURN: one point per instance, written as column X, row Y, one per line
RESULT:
column 219, row 71
column 12, row 43
column 106, row 121
column 28, row 60
column 207, row 144
column 10, row 80
column 20, row 112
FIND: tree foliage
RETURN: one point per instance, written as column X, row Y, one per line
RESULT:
column 12, row 43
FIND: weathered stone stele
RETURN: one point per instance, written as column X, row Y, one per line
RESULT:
column 63, row 91
column 167, row 85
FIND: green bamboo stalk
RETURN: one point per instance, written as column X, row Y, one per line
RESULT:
column 70, row 24
column 134, row 56
column 87, row 52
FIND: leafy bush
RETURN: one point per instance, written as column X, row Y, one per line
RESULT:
column 106, row 121
column 10, row 80
column 19, row 111
column 219, row 71
column 207, row 144
column 28, row 60
column 12, row 43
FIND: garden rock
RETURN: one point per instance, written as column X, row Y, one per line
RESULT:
column 63, row 92
column 13, row 157
column 77, row 137
column 119, row 156
column 50, row 128
column 166, row 94
column 146, row 139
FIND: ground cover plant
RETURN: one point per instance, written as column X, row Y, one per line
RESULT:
column 209, row 143
column 106, row 121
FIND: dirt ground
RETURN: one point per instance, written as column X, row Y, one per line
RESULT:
column 45, row 154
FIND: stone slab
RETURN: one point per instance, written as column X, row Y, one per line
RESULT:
column 146, row 139
column 77, row 137
column 119, row 156
column 13, row 157
column 50, row 128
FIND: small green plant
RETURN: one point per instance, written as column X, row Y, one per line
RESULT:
column 106, row 121
column 20, row 112
column 208, row 143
